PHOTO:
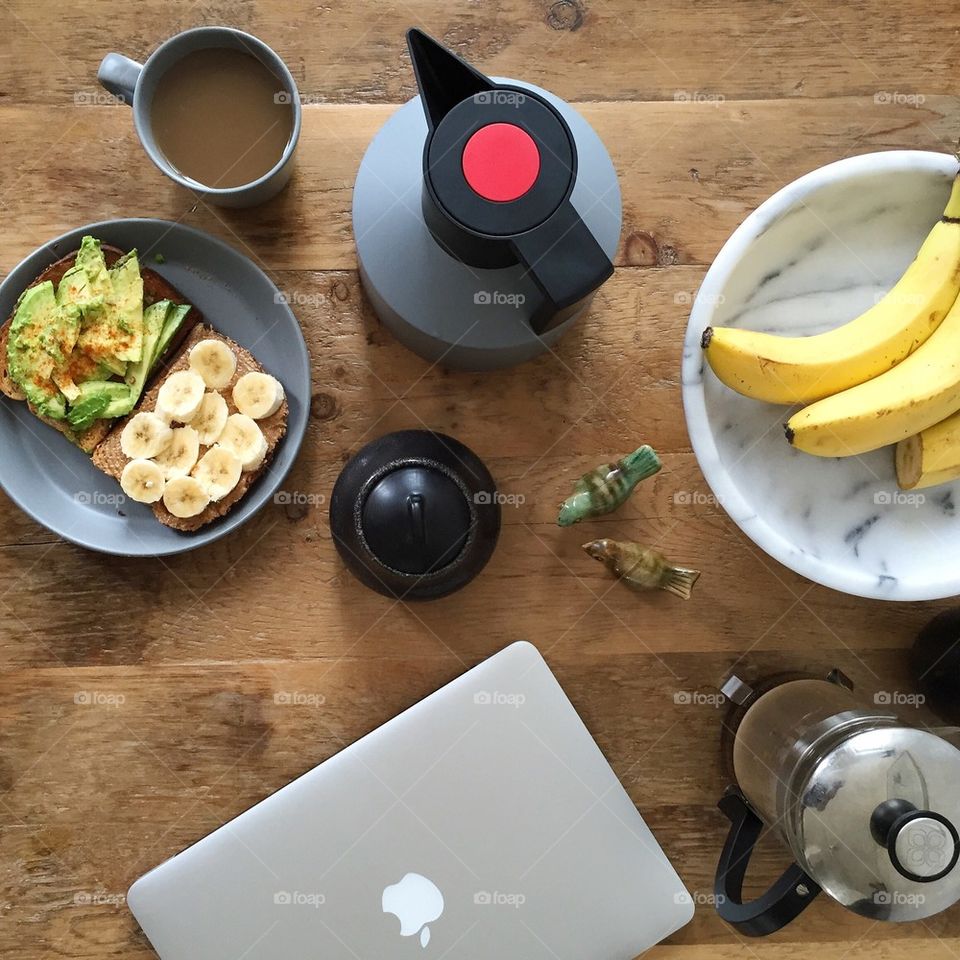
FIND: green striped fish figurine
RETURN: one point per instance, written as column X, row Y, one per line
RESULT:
column 603, row 490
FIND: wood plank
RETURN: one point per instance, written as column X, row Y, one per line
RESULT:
column 197, row 622
column 690, row 172
column 537, row 566
column 582, row 49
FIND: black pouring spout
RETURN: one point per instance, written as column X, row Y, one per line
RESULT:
column 444, row 80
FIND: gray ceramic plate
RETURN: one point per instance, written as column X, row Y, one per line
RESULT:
column 57, row 484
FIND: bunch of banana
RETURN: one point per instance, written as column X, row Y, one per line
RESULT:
column 805, row 369
column 917, row 393
column 883, row 378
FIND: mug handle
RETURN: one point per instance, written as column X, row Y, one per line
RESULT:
column 119, row 75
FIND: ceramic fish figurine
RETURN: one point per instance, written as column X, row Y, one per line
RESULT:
column 642, row 568
column 603, row 490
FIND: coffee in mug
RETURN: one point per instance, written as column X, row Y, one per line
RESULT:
column 221, row 117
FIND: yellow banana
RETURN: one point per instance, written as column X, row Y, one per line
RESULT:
column 917, row 393
column 931, row 456
column 804, row 369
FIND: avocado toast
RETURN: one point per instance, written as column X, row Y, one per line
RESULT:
column 113, row 357
column 75, row 329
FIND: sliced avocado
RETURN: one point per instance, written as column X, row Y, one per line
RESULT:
column 66, row 385
column 99, row 372
column 84, row 414
column 111, row 329
column 172, row 324
column 114, row 366
column 98, row 399
column 83, row 369
column 154, row 322
column 34, row 333
column 62, row 337
column 54, row 407
column 87, row 283
column 128, row 301
column 111, row 389
column 66, row 343
column 70, row 369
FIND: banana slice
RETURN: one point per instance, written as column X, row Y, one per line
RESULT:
column 142, row 480
column 181, row 395
column 215, row 362
column 245, row 439
column 258, row 395
column 185, row 497
column 145, row 435
column 219, row 472
column 181, row 453
column 210, row 419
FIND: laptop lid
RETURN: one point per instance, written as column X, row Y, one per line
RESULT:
column 482, row 822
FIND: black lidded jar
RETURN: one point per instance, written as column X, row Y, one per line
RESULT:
column 415, row 515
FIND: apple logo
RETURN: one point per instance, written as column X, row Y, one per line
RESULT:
column 415, row 901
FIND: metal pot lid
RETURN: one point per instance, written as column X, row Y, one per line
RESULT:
column 876, row 823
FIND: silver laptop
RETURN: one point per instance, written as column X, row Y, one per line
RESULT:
column 482, row 822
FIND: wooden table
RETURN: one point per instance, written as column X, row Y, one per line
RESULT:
column 707, row 108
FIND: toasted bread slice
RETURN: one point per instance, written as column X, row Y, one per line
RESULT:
column 109, row 458
column 154, row 288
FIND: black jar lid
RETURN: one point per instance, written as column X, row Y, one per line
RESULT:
column 415, row 515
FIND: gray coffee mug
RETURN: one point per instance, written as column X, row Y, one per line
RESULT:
column 135, row 84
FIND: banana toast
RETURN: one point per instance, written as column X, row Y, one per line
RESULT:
column 110, row 458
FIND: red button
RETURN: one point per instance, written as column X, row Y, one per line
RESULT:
column 501, row 162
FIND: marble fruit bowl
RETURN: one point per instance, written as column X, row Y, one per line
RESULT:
column 816, row 254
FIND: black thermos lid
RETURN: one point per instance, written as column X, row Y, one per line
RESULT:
column 415, row 515
column 499, row 168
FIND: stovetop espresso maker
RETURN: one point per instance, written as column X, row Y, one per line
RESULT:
column 868, row 805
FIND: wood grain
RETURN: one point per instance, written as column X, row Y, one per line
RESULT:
column 342, row 51
column 138, row 702
column 690, row 171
